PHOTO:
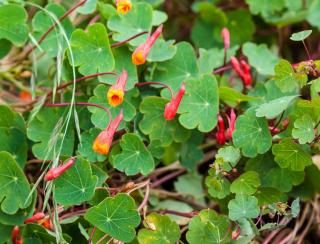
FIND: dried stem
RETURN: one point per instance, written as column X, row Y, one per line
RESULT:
column 145, row 199
column 168, row 177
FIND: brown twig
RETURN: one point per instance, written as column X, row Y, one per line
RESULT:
column 182, row 214
column 168, row 177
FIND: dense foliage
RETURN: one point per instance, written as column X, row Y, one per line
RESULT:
column 152, row 121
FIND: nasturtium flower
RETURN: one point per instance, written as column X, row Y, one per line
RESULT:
column 57, row 171
column 103, row 141
column 220, row 135
column 36, row 217
column 141, row 53
column 116, row 92
column 123, row 6
column 232, row 121
column 242, row 69
column 225, row 34
column 171, row 108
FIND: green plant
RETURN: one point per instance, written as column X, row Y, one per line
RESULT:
column 112, row 133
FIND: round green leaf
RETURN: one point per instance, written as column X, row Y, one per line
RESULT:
column 162, row 50
column 135, row 157
column 200, row 105
column 116, row 216
column 5, row 232
column 260, row 57
column 191, row 153
column 178, row 69
column 218, row 185
column 232, row 97
column 14, row 142
column 285, row 77
column 208, row 228
column 228, row 157
column 47, row 131
column 247, row 183
column 303, row 129
column 55, row 40
column 14, row 188
column 272, row 109
column 138, row 20
column 88, row 8
column 268, row 195
column 92, row 45
column 290, row 155
column 265, row 7
column 243, row 206
column 300, row 36
column 159, row 229
column 155, row 125
column 100, row 118
column 76, row 185
column 252, row 134
column 13, row 24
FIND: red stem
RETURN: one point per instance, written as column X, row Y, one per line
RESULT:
column 117, row 44
column 66, row 14
column 80, row 79
column 222, row 69
column 155, row 83
column 168, row 177
column 79, row 104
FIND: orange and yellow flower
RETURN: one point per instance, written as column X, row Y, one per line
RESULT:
column 103, row 141
column 141, row 53
column 116, row 92
column 123, row 6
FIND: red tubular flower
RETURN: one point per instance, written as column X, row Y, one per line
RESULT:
column 123, row 6
column 231, row 120
column 56, row 172
column 171, row 108
column 242, row 69
column 220, row 135
column 36, row 217
column 14, row 234
column 116, row 92
column 103, row 141
column 141, row 53
column 225, row 35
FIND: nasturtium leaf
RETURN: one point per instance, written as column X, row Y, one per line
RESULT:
column 268, row 195
column 265, row 7
column 162, row 50
column 272, row 109
column 286, row 78
column 260, row 57
column 123, row 62
column 178, row 69
column 5, row 232
column 14, row 142
column 56, row 41
column 252, row 134
column 232, row 97
column 191, row 154
column 13, row 24
column 202, row 31
column 208, row 228
column 88, row 8
column 159, row 229
column 47, row 131
column 218, row 185
column 138, row 20
column 303, row 129
column 200, row 105
column 290, row 155
column 227, row 157
column 300, row 36
column 14, row 185
column 85, row 148
column 247, row 183
column 295, row 208
column 158, row 17
column 175, row 206
column 100, row 118
column 76, row 185
column 213, row 58
column 37, row 234
column 116, row 216
column 91, row 50
column 21, row 215
column 135, row 157
column 5, row 47
column 156, row 149
column 313, row 16
column 238, row 20
column 190, row 185
column 100, row 173
column 9, row 118
column 243, row 206
column 155, row 125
